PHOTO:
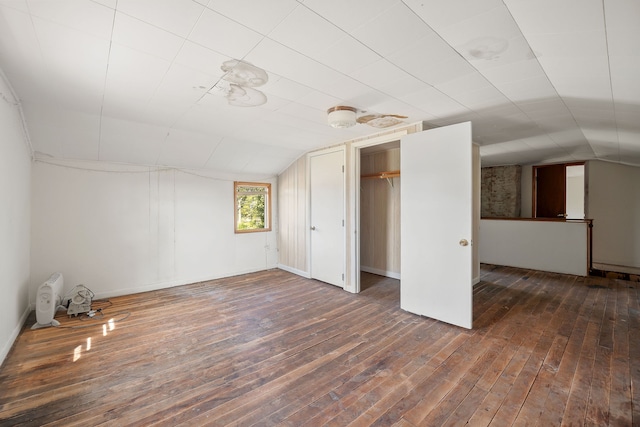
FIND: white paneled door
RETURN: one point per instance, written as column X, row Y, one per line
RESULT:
column 437, row 224
column 327, row 239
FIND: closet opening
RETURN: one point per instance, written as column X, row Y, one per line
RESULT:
column 377, row 186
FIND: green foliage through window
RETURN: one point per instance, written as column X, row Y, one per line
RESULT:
column 252, row 207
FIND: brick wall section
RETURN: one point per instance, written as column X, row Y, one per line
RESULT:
column 500, row 191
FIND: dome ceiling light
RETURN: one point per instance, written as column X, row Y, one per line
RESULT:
column 341, row 117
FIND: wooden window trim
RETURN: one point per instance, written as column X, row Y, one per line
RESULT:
column 266, row 185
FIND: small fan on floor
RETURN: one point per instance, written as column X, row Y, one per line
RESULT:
column 80, row 302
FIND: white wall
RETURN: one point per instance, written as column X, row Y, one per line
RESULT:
column 560, row 247
column 123, row 229
column 575, row 192
column 613, row 202
column 15, row 217
column 526, row 195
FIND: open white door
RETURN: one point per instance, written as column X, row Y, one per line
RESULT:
column 327, row 215
column 437, row 224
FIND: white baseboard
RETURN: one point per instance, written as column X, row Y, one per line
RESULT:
column 294, row 271
column 391, row 274
column 170, row 284
column 14, row 335
column 616, row 268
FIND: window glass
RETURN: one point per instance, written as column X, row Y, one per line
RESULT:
column 252, row 207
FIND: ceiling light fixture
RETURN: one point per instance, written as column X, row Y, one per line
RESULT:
column 341, row 117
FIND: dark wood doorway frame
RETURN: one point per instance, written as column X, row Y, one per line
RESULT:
column 550, row 190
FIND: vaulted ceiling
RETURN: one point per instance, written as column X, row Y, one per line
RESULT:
column 244, row 85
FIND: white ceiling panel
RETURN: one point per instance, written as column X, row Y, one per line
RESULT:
column 462, row 85
column 169, row 82
column 349, row 15
column 569, row 45
column 318, row 100
column 233, row 155
column 18, row 5
column 108, row 3
column 300, row 117
column 276, row 58
column 388, row 78
column 139, row 35
column 65, row 52
column 183, row 86
column 492, row 52
column 263, row 164
column 346, row 55
column 344, row 87
column 439, row 14
column 524, row 90
column 445, row 65
column 82, row 15
column 514, row 71
column 176, row 16
column 627, row 117
column 551, row 16
column 223, row 35
column 623, row 31
column 480, row 99
column 570, row 80
column 434, row 102
column 484, row 35
column 262, row 16
column 123, row 85
column 155, row 112
column 214, row 113
column 402, row 26
column 624, row 79
column 122, row 140
column 200, row 58
column 306, row 32
column 187, row 149
column 63, row 133
column 285, row 88
column 17, row 35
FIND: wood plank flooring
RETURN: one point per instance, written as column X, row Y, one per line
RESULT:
column 272, row 348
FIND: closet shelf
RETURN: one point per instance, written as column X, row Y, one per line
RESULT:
column 381, row 175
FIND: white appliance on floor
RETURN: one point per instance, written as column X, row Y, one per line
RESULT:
column 48, row 299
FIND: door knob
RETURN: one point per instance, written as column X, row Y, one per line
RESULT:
column 313, row 227
column 464, row 242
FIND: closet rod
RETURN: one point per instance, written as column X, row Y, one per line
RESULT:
column 381, row 175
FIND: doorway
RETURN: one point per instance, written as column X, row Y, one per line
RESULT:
column 371, row 145
column 558, row 191
column 380, row 184
column 438, row 251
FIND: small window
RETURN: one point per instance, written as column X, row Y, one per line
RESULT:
column 252, row 207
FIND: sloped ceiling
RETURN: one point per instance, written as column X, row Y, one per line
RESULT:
column 151, row 81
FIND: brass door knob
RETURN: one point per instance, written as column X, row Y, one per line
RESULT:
column 464, row 242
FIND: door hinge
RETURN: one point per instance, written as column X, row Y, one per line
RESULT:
column 342, row 168
column 343, row 277
column 343, row 222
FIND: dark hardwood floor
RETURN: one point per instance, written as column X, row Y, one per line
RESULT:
column 272, row 348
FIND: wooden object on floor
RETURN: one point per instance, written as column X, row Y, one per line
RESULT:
column 272, row 348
